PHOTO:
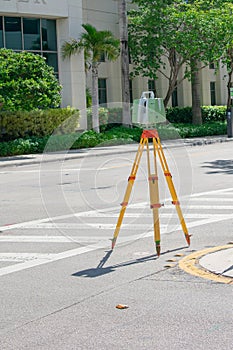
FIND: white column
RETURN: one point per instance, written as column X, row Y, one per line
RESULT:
column 71, row 70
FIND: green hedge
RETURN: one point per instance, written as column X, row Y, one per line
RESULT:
column 103, row 118
column 184, row 114
column 214, row 113
column 22, row 124
column 175, row 115
column 115, row 136
column 115, row 115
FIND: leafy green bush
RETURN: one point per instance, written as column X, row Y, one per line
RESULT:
column 115, row 115
column 115, row 136
column 213, row 113
column 88, row 139
column 27, row 82
column 184, row 114
column 20, row 124
column 208, row 129
column 179, row 114
column 19, row 146
column 103, row 118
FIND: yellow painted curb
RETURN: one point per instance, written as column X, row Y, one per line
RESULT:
column 190, row 264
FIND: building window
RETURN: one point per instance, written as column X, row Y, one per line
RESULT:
column 31, row 34
column 151, row 86
column 102, row 57
column 102, row 88
column 174, row 98
column 1, row 33
column 49, row 36
column 13, row 33
column 212, row 93
column 131, row 91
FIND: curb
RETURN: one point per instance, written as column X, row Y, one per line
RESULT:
column 191, row 265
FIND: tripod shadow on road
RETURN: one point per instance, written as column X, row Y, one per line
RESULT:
column 220, row 166
column 101, row 270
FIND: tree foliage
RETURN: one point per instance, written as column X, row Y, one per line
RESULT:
column 95, row 43
column 174, row 38
column 27, row 82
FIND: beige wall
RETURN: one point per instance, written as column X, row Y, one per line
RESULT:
column 71, row 70
column 42, row 8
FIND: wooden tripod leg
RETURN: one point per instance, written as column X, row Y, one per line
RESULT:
column 171, row 187
column 131, row 180
column 176, row 202
column 154, row 199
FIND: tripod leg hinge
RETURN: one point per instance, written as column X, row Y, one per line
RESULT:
column 175, row 202
column 153, row 178
column 168, row 174
column 157, row 205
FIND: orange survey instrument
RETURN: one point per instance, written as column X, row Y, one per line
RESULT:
column 153, row 186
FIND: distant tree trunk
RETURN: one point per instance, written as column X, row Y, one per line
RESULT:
column 123, row 26
column 229, row 102
column 95, row 99
column 196, row 94
column 175, row 66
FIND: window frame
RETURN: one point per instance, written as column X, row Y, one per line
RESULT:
column 102, row 90
column 40, row 51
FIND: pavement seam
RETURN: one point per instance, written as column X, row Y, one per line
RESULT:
column 190, row 264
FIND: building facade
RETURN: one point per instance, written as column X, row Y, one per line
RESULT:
column 42, row 26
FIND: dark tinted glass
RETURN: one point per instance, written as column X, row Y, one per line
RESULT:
column 49, row 38
column 13, row 33
column 31, row 31
column 51, row 60
column 102, row 91
column 1, row 33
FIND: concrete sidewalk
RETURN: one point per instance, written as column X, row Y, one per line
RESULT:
column 219, row 262
column 30, row 159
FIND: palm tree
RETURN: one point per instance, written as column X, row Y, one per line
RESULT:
column 123, row 27
column 95, row 44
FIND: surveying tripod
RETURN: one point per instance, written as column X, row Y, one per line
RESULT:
column 153, row 187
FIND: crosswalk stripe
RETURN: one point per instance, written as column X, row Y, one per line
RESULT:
column 25, row 256
column 215, row 207
column 50, row 239
column 84, row 226
column 214, row 193
column 214, row 199
column 149, row 215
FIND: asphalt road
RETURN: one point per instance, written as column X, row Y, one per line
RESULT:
column 60, row 282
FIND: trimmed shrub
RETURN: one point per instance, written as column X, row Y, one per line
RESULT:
column 115, row 115
column 207, row 129
column 184, row 114
column 21, row 124
column 213, row 113
column 103, row 118
column 115, row 136
column 179, row 114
